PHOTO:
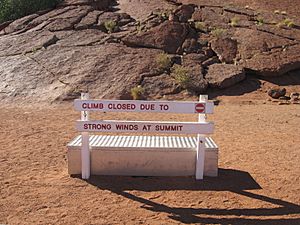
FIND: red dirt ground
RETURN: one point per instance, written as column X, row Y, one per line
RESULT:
column 258, row 181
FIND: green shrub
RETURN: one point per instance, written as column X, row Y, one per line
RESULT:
column 285, row 23
column 218, row 32
column 260, row 21
column 163, row 62
column 200, row 26
column 181, row 76
column 289, row 23
column 14, row 9
column 164, row 14
column 234, row 21
column 203, row 42
column 110, row 25
column 137, row 92
column 139, row 27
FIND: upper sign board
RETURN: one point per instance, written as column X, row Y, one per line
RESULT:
column 144, row 106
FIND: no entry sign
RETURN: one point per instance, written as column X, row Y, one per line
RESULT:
column 200, row 108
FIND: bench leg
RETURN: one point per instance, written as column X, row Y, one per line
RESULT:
column 201, row 144
column 85, row 156
column 200, row 158
column 85, row 149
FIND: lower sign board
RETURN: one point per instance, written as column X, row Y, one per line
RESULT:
column 146, row 127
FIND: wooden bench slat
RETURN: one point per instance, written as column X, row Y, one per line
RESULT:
column 116, row 141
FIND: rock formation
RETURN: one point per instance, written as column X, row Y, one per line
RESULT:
column 90, row 45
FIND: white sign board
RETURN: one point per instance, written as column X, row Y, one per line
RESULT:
column 143, row 106
column 145, row 126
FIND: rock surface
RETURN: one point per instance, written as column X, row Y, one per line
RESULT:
column 224, row 75
column 53, row 55
column 184, row 12
column 158, row 86
column 226, row 49
column 73, row 70
column 197, row 83
column 169, row 36
column 275, row 63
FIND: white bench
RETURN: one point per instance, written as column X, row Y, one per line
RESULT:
column 143, row 155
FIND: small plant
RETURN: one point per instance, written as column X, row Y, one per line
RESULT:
column 137, row 92
column 203, row 42
column 200, row 26
column 289, row 23
column 218, row 32
column 181, row 76
column 164, row 14
column 234, row 21
column 285, row 23
column 110, row 25
column 235, row 62
column 163, row 62
column 139, row 27
column 260, row 21
column 35, row 49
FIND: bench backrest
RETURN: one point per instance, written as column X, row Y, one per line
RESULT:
column 201, row 127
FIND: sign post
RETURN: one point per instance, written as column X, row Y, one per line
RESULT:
column 200, row 139
column 85, row 151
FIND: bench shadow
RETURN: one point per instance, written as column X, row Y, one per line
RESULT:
column 227, row 179
column 235, row 181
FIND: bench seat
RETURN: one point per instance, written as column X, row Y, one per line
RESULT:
column 143, row 155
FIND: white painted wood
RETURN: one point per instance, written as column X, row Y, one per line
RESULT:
column 200, row 144
column 202, row 117
column 85, row 152
column 141, row 106
column 150, row 159
column 133, row 155
column 143, row 143
column 145, row 127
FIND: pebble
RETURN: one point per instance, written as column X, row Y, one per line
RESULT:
column 276, row 92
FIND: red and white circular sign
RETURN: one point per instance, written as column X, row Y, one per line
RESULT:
column 200, row 108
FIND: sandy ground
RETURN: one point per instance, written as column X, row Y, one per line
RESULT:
column 258, row 180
